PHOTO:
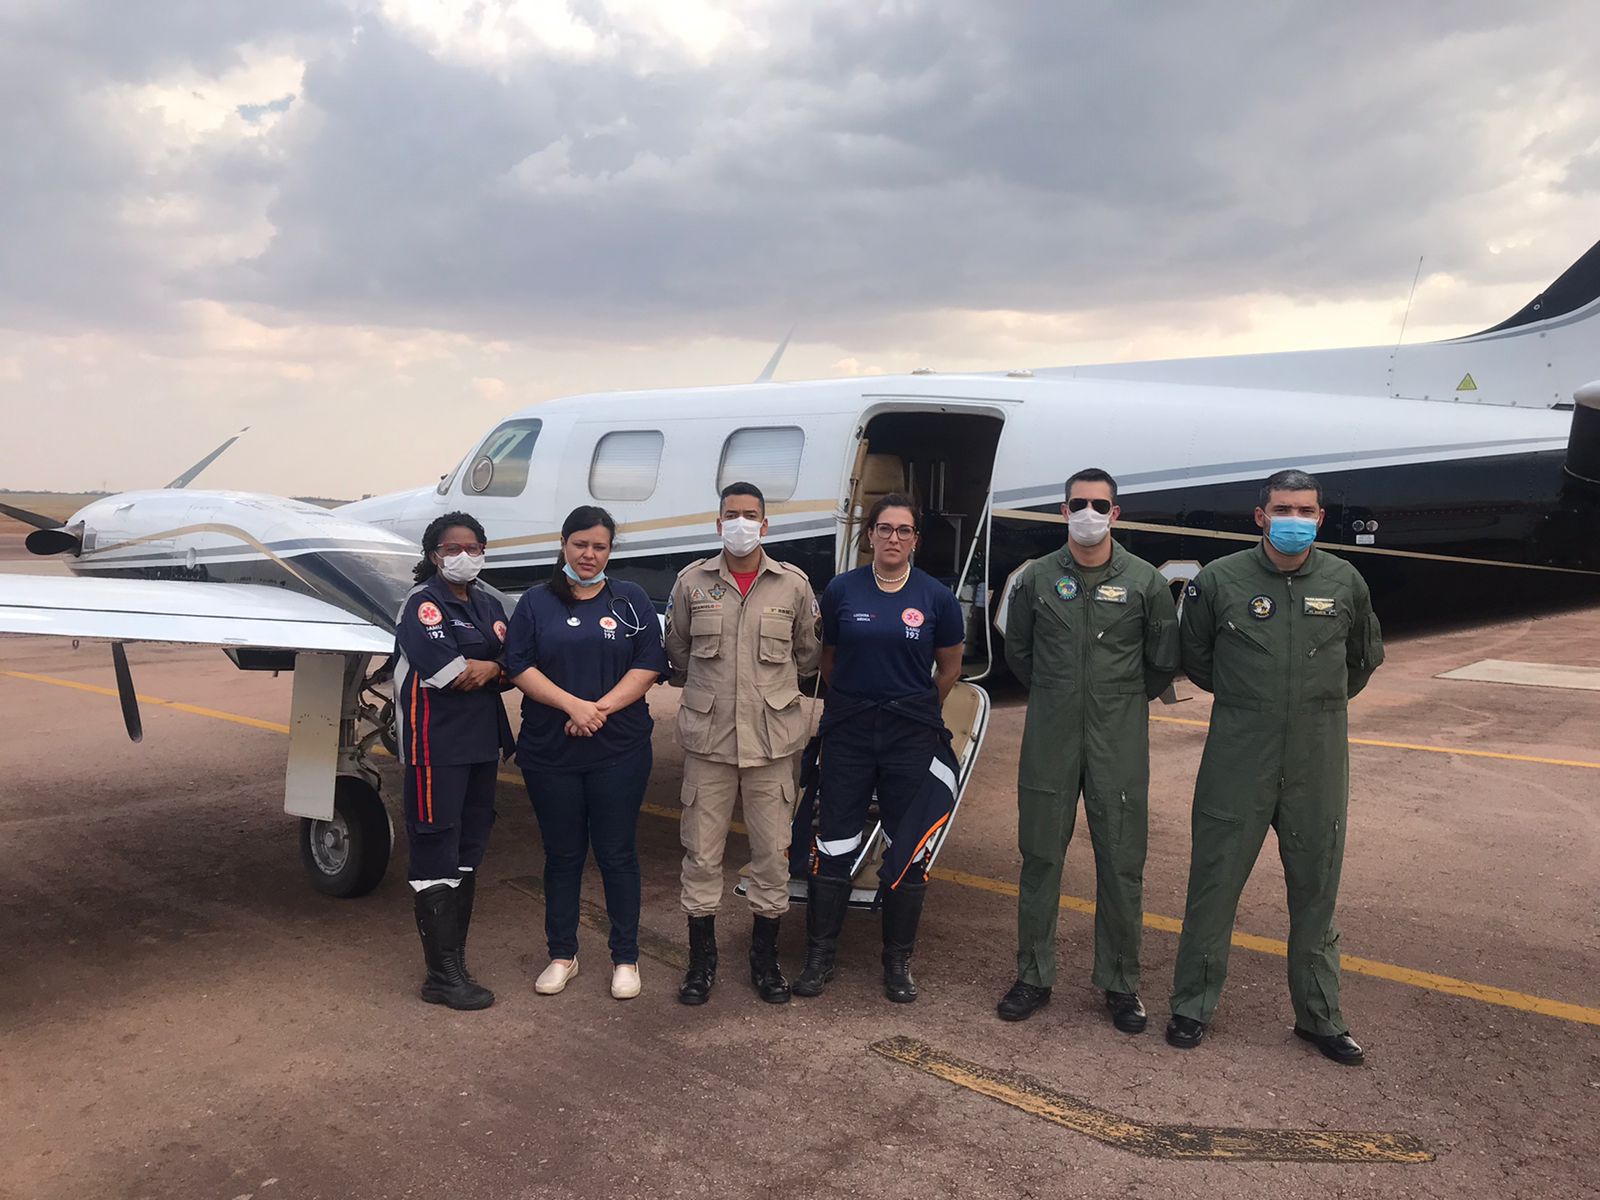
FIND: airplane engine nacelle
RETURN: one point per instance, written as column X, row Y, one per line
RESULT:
column 1583, row 443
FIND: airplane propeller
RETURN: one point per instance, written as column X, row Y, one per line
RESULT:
column 125, row 693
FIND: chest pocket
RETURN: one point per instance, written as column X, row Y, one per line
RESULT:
column 471, row 643
column 705, row 634
column 777, row 638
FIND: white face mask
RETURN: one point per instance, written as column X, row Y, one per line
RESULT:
column 1087, row 527
column 740, row 535
column 461, row 568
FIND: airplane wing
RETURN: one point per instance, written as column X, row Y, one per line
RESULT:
column 247, row 615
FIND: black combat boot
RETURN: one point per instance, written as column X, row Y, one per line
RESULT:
column 902, row 910
column 825, row 910
column 702, row 972
column 765, row 973
column 465, row 895
column 438, row 910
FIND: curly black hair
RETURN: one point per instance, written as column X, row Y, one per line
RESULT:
column 426, row 570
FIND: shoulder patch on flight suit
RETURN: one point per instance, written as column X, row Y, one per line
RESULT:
column 1067, row 587
column 1321, row 606
column 1262, row 607
column 1112, row 593
column 428, row 613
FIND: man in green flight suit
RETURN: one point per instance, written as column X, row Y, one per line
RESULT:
column 1282, row 635
column 1092, row 631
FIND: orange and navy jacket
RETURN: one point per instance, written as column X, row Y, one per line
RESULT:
column 435, row 636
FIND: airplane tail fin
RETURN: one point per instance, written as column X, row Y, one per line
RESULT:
column 1573, row 295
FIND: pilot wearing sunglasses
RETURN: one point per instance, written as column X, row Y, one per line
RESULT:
column 1092, row 631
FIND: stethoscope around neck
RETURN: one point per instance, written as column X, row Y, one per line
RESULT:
column 633, row 626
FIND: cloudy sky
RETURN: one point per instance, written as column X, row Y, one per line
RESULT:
column 368, row 228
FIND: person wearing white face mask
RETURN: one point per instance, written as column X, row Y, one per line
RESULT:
column 452, row 731
column 741, row 634
column 1092, row 631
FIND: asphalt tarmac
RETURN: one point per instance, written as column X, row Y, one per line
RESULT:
column 182, row 1016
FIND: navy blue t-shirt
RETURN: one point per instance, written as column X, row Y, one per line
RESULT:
column 616, row 632
column 886, row 640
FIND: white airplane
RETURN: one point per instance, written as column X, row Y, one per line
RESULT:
column 1453, row 470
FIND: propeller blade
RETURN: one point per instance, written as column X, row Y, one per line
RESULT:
column 37, row 520
column 777, row 357
column 188, row 477
column 130, row 702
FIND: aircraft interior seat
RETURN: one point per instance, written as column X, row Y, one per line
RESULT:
column 880, row 475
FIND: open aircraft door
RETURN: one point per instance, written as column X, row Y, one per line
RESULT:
column 966, row 715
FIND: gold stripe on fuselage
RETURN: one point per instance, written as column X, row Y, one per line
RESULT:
column 1024, row 514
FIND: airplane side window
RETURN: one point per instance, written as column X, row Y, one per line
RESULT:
column 626, row 465
column 768, row 458
column 500, row 466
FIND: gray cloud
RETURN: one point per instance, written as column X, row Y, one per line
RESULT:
column 871, row 165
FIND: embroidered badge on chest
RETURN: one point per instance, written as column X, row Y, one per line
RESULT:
column 500, row 630
column 1262, row 607
column 1111, row 593
column 1321, row 606
column 1067, row 587
column 428, row 613
column 717, row 591
column 697, row 594
column 913, row 618
column 608, row 623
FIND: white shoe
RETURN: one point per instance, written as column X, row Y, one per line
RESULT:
column 555, row 977
column 625, row 981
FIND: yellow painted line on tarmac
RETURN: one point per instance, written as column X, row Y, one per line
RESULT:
column 1446, row 984
column 1450, row 986
column 1499, row 754
column 1151, row 1140
column 175, row 705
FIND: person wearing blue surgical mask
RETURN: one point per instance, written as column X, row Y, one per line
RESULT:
column 1283, row 635
column 584, row 649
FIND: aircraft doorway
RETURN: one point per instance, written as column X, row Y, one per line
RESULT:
column 945, row 461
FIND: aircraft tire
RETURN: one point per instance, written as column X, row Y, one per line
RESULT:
column 347, row 856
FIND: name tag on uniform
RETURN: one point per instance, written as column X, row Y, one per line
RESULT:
column 1320, row 606
column 1111, row 593
column 778, row 612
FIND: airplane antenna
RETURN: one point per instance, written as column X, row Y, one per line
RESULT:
column 777, row 355
column 1404, row 317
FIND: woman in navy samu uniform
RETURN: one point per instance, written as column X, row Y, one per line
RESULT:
column 891, row 651
column 584, row 650
column 453, row 732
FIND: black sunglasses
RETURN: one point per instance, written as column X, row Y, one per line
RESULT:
column 1079, row 503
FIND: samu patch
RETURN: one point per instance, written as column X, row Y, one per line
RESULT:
column 913, row 618
column 1111, row 593
column 1321, row 606
column 428, row 613
column 1262, row 607
column 1067, row 587
column 500, row 630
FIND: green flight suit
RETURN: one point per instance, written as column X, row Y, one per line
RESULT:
column 1282, row 654
column 1092, row 654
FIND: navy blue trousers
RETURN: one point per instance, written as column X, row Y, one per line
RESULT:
column 580, row 810
column 449, row 812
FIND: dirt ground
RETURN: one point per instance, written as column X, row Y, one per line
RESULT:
column 182, row 1016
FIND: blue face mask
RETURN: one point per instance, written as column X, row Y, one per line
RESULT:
column 566, row 569
column 1291, row 535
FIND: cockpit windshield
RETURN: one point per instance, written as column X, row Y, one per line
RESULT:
column 500, row 466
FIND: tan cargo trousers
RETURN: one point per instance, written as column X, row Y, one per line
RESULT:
column 768, row 793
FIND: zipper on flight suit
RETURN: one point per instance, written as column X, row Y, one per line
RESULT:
column 1288, row 682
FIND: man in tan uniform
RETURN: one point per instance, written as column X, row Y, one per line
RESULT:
column 741, row 634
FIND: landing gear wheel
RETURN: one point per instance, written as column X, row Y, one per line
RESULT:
column 347, row 856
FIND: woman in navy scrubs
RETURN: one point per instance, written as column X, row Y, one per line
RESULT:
column 584, row 650
column 453, row 733
column 891, row 651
